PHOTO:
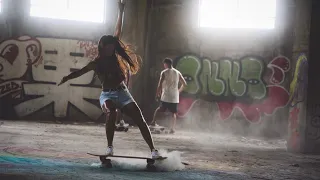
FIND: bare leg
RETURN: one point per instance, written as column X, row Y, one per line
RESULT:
column 154, row 117
column 133, row 111
column 110, row 122
column 173, row 122
column 119, row 116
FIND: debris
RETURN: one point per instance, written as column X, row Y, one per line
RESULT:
column 295, row 165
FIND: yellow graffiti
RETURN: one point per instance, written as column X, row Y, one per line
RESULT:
column 294, row 85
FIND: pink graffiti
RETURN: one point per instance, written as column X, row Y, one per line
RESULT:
column 90, row 48
column 293, row 126
column 277, row 97
column 279, row 66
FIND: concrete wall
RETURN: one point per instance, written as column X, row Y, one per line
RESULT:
column 236, row 78
column 37, row 52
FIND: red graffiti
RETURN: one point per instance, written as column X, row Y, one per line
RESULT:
column 91, row 48
column 18, row 54
column 277, row 98
column 10, row 53
column 279, row 66
column 293, row 126
column 32, row 51
column 185, row 104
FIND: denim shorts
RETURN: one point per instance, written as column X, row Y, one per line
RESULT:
column 120, row 97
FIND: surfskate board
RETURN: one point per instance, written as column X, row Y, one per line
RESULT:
column 158, row 129
column 107, row 162
column 120, row 127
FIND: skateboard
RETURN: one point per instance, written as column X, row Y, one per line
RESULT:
column 158, row 129
column 107, row 162
column 122, row 126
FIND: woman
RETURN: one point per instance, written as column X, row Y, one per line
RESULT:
column 111, row 65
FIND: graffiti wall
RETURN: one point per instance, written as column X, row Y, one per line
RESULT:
column 30, row 69
column 251, row 84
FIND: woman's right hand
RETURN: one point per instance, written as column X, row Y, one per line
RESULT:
column 63, row 80
column 121, row 4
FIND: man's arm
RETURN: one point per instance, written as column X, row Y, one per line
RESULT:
column 77, row 73
column 183, row 81
column 159, row 88
column 118, row 30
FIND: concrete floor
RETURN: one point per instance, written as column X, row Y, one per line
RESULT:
column 30, row 150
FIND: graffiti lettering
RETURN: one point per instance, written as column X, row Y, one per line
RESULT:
column 73, row 91
column 234, row 84
column 315, row 121
column 9, row 87
column 313, row 125
column 16, row 54
column 24, row 63
column 225, row 77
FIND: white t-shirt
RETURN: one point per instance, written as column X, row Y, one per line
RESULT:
column 170, row 89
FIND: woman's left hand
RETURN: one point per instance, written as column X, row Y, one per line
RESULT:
column 121, row 5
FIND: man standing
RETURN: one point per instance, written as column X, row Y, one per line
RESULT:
column 168, row 91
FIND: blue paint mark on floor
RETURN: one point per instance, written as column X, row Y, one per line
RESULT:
column 22, row 161
column 43, row 168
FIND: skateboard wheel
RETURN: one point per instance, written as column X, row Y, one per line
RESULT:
column 126, row 130
column 151, row 167
column 106, row 162
column 103, row 159
column 108, row 165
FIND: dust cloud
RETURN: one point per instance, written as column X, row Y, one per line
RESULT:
column 204, row 117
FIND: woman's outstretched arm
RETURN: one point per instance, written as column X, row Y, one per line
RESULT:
column 77, row 73
column 118, row 30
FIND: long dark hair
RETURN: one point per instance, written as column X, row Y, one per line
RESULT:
column 127, row 59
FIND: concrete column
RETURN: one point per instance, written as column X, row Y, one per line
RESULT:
column 16, row 12
column 304, row 118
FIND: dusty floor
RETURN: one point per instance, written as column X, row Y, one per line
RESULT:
column 55, row 151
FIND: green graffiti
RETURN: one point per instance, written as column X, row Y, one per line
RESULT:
column 237, row 78
column 190, row 67
column 210, row 80
column 252, row 69
column 230, row 71
column 237, row 87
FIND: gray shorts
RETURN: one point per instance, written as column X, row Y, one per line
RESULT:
column 120, row 97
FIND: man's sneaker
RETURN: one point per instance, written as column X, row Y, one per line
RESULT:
column 172, row 131
column 109, row 151
column 121, row 123
column 154, row 125
column 155, row 154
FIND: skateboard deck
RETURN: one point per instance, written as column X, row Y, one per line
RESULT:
column 128, row 157
column 124, row 127
column 107, row 162
column 158, row 129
